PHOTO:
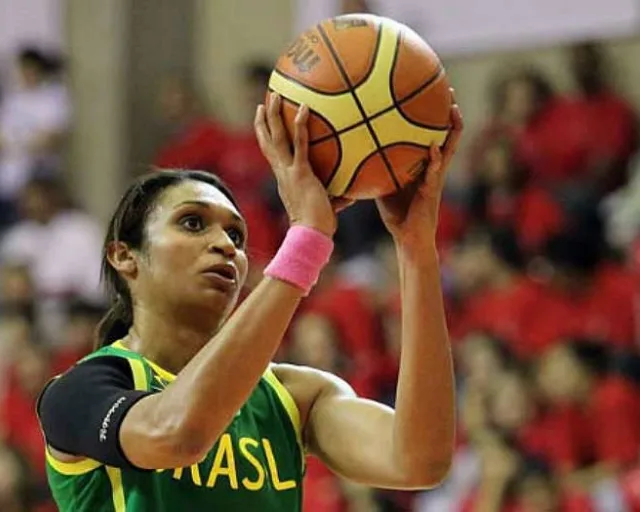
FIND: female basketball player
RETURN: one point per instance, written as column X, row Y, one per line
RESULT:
column 182, row 410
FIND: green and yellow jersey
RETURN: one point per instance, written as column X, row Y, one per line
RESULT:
column 257, row 464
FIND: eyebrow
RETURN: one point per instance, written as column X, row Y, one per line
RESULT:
column 205, row 204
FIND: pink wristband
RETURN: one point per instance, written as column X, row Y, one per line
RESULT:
column 301, row 257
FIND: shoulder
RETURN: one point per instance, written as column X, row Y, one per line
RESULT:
column 89, row 376
column 309, row 385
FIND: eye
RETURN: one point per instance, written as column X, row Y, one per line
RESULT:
column 236, row 235
column 192, row 223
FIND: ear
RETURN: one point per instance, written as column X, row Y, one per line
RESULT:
column 123, row 260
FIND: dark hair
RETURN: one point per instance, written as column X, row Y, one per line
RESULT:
column 128, row 225
column 543, row 89
column 594, row 355
column 46, row 63
column 577, row 251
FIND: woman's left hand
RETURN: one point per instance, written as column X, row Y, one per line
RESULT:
column 411, row 214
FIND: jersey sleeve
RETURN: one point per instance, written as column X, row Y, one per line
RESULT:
column 81, row 411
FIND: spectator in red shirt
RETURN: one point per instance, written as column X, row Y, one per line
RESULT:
column 610, row 122
column 595, row 413
column 193, row 140
column 503, row 195
column 579, row 294
column 516, row 99
column 494, row 295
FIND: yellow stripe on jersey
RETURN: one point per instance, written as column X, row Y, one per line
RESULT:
column 289, row 405
column 139, row 375
column 117, row 491
column 80, row 467
column 164, row 374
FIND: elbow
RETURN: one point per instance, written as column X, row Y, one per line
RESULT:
column 180, row 443
column 428, row 475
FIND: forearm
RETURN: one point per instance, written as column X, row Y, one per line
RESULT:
column 424, row 417
column 219, row 379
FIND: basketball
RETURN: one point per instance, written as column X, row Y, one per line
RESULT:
column 378, row 97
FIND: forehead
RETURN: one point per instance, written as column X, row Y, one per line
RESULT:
column 195, row 191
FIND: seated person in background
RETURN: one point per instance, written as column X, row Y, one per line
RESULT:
column 579, row 294
column 517, row 100
column 610, row 122
column 29, row 373
column 503, row 195
column 60, row 245
column 34, row 120
column 592, row 414
column 494, row 295
column 193, row 140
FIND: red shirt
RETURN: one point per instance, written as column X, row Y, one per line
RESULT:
column 604, row 310
column 322, row 491
column 552, row 146
column 611, row 121
column 198, row 146
column 606, row 430
column 614, row 413
column 20, row 425
column 242, row 166
column 501, row 312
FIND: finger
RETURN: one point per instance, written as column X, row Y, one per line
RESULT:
column 435, row 160
column 262, row 133
column 279, row 138
column 341, row 203
column 301, row 137
column 455, row 134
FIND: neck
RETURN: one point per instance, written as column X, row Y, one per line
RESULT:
column 170, row 338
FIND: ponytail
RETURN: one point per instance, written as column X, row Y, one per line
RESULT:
column 116, row 322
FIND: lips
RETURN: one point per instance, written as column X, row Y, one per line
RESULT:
column 223, row 274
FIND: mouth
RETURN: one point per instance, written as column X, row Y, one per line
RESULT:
column 223, row 276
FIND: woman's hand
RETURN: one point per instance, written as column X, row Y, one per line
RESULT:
column 304, row 197
column 411, row 214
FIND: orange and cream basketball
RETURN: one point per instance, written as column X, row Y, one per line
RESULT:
column 378, row 97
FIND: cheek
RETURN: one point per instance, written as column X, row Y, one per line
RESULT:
column 242, row 262
column 171, row 255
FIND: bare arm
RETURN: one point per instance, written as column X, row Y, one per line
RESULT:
column 178, row 426
column 411, row 447
column 369, row 443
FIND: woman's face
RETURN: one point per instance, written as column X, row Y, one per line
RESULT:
column 511, row 405
column 559, row 375
column 194, row 254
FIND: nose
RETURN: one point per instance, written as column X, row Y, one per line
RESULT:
column 221, row 243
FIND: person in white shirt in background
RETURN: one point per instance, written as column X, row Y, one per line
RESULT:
column 33, row 122
column 61, row 247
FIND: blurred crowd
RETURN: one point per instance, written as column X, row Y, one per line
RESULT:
column 540, row 255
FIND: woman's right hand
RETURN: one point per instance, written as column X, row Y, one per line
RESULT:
column 304, row 197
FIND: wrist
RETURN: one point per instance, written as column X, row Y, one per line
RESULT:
column 303, row 254
column 422, row 248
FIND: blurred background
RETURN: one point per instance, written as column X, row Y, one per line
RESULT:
column 539, row 232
